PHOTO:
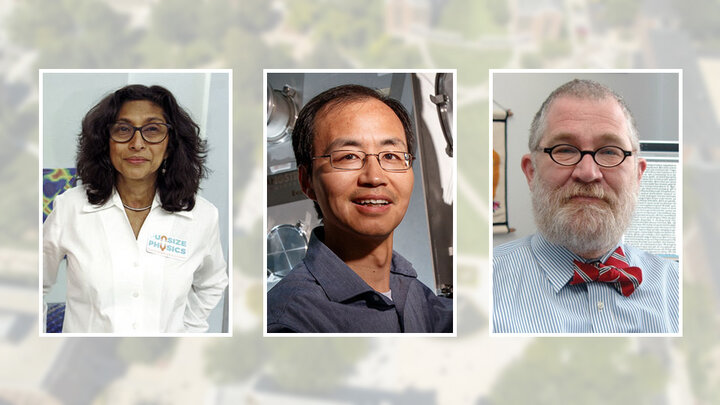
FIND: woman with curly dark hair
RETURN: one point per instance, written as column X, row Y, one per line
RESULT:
column 143, row 250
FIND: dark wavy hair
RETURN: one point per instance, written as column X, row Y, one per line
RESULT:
column 304, row 130
column 185, row 164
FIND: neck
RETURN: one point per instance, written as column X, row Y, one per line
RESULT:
column 136, row 194
column 593, row 254
column 370, row 258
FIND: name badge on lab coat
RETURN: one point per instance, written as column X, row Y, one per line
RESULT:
column 164, row 245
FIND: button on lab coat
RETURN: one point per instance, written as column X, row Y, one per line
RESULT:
column 166, row 280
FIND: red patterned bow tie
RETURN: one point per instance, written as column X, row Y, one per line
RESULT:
column 615, row 270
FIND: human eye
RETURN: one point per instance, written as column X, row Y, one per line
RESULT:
column 391, row 155
column 565, row 150
column 346, row 155
column 122, row 128
column 611, row 151
column 152, row 129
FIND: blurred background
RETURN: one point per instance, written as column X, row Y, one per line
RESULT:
column 249, row 35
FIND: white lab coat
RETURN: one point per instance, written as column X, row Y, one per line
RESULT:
column 166, row 280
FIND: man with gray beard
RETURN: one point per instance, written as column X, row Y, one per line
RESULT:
column 575, row 275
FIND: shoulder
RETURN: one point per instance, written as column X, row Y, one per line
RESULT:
column 426, row 311
column 509, row 254
column 660, row 288
column 650, row 263
column 70, row 201
column 519, row 246
column 402, row 268
column 204, row 207
column 204, row 213
column 429, row 296
column 75, row 195
column 299, row 290
column 638, row 257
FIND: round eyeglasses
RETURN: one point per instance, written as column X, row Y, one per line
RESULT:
column 391, row 161
column 155, row 132
column 569, row 155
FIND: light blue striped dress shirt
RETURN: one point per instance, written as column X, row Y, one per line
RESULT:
column 532, row 294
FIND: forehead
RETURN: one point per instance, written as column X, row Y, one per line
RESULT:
column 361, row 123
column 586, row 123
column 141, row 108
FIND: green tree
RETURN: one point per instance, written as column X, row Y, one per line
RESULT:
column 67, row 33
column 236, row 359
column 314, row 364
column 473, row 18
column 701, row 337
column 589, row 371
column 17, row 125
column 349, row 24
column 295, row 364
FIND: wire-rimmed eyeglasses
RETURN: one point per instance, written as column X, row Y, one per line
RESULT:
column 156, row 132
column 569, row 155
column 391, row 161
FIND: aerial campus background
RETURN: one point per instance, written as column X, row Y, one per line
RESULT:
column 249, row 35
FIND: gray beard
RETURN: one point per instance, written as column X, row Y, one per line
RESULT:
column 583, row 228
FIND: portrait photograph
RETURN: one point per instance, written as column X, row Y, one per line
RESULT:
column 360, row 197
column 136, row 204
column 587, row 202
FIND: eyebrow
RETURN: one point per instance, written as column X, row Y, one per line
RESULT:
column 345, row 142
column 147, row 120
column 610, row 138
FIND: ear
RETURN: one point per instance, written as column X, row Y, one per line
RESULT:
column 305, row 179
column 528, row 168
column 642, row 165
column 168, row 146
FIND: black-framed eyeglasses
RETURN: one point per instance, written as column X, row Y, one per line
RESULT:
column 391, row 161
column 156, row 132
column 569, row 155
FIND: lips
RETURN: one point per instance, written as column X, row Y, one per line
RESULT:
column 586, row 193
column 136, row 160
column 372, row 200
column 587, row 198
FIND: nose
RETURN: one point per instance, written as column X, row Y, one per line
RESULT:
column 587, row 171
column 372, row 174
column 137, row 142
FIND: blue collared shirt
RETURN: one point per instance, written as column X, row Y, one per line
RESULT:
column 322, row 294
column 532, row 294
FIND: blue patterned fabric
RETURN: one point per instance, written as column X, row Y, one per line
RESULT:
column 532, row 293
column 323, row 295
column 55, row 317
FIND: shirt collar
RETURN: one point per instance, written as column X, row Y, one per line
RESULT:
column 339, row 281
column 115, row 201
column 556, row 261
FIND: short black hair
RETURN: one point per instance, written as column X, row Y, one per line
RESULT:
column 185, row 164
column 304, row 130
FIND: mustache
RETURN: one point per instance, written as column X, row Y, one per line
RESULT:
column 586, row 190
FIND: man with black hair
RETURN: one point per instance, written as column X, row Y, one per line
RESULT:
column 353, row 147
